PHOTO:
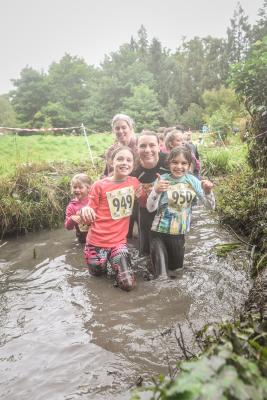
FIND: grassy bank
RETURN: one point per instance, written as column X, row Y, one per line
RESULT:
column 17, row 150
column 35, row 196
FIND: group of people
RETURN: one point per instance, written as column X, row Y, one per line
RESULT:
column 145, row 180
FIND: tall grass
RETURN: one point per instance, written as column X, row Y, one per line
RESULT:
column 223, row 160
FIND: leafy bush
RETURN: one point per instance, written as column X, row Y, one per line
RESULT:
column 241, row 203
column 233, row 366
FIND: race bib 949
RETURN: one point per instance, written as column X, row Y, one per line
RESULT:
column 180, row 196
column 120, row 202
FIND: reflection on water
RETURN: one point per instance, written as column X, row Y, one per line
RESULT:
column 66, row 335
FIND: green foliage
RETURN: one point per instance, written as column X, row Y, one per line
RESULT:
column 233, row 366
column 36, row 195
column 259, row 30
column 193, row 117
column 249, row 81
column 221, row 122
column 215, row 98
column 32, row 92
column 238, row 35
column 171, row 114
column 241, row 203
column 7, row 112
column 223, row 249
column 72, row 92
column 216, row 163
column 143, row 106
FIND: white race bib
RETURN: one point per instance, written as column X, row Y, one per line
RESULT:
column 180, row 196
column 121, row 202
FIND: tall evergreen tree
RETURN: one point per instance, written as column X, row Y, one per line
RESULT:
column 259, row 30
column 238, row 35
column 31, row 94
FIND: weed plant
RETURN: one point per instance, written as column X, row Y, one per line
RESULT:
column 233, row 365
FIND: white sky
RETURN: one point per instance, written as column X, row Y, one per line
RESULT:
column 38, row 32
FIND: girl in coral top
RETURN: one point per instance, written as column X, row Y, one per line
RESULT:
column 109, row 209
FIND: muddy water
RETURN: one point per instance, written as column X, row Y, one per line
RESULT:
column 65, row 335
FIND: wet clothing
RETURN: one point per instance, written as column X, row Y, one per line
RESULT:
column 174, row 206
column 147, row 177
column 97, row 258
column 173, row 215
column 112, row 202
column 73, row 208
column 174, row 245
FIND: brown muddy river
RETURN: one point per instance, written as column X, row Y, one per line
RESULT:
column 66, row 335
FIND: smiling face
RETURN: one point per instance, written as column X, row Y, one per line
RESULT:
column 148, row 150
column 177, row 140
column 80, row 190
column 179, row 166
column 122, row 131
column 122, row 164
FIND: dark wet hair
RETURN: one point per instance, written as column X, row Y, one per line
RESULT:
column 118, row 149
column 146, row 132
column 177, row 151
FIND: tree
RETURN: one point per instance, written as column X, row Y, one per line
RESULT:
column 121, row 72
column 69, row 82
column 31, row 94
column 193, row 117
column 8, row 116
column 238, row 36
column 221, row 121
column 54, row 115
column 215, row 98
column 143, row 107
column 249, row 81
column 142, row 42
column 259, row 30
column 171, row 114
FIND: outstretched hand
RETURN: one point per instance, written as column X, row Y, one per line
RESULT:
column 206, row 186
column 161, row 185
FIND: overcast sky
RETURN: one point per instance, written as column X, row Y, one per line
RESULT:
column 38, row 32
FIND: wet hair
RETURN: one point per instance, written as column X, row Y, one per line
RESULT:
column 118, row 149
column 171, row 136
column 81, row 178
column 180, row 127
column 180, row 150
column 122, row 117
column 160, row 135
column 146, row 132
column 169, row 129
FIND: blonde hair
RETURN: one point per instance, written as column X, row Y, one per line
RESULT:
column 171, row 136
column 122, row 117
column 81, row 178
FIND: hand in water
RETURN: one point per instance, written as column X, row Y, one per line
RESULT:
column 206, row 186
column 87, row 214
column 161, row 185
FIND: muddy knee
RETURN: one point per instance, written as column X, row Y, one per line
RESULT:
column 124, row 276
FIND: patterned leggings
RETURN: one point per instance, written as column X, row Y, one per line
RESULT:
column 118, row 256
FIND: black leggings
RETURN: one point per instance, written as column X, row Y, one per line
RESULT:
column 145, row 222
column 174, row 245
